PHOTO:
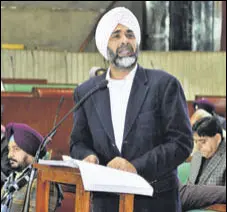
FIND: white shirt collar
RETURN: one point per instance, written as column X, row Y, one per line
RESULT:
column 129, row 77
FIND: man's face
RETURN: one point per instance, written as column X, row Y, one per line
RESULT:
column 122, row 48
column 206, row 145
column 18, row 158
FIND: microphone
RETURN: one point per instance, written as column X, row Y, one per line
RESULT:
column 47, row 139
column 58, row 109
column 19, row 183
column 13, row 185
column 56, row 115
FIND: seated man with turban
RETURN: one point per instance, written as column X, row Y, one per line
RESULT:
column 210, row 108
column 139, row 123
column 23, row 144
column 5, row 166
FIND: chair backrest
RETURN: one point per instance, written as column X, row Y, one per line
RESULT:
column 53, row 92
column 16, row 94
column 23, row 81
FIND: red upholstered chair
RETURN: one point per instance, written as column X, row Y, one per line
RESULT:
column 16, row 94
column 53, row 92
column 68, row 203
column 23, row 81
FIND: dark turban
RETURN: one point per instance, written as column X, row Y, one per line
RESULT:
column 25, row 137
column 205, row 105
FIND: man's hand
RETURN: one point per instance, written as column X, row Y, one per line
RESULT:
column 122, row 164
column 91, row 159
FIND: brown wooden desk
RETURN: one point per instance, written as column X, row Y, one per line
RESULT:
column 70, row 176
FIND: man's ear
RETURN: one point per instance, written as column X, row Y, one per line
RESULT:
column 218, row 137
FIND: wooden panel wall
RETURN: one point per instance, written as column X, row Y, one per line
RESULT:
column 199, row 72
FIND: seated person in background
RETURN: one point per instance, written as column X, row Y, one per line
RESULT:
column 206, row 185
column 197, row 115
column 208, row 164
column 23, row 142
column 2, row 86
column 5, row 166
column 210, row 108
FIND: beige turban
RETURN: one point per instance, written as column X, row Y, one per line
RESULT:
column 118, row 15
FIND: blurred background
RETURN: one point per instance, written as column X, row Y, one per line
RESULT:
column 65, row 25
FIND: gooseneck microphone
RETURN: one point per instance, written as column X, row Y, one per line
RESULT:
column 58, row 109
column 47, row 139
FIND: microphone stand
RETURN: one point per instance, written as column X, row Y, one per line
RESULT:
column 47, row 139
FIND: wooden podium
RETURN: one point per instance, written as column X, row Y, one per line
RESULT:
column 66, row 175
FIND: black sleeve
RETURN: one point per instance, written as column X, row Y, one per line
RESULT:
column 81, row 139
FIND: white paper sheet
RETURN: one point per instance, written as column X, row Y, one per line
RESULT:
column 100, row 178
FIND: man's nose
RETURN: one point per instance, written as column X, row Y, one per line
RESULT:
column 10, row 154
column 124, row 39
column 199, row 145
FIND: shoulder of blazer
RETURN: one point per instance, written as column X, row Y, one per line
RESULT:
column 158, row 76
column 89, row 84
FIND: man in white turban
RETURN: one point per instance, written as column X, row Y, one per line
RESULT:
column 138, row 124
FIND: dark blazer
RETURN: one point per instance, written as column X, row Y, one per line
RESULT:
column 201, row 196
column 157, row 134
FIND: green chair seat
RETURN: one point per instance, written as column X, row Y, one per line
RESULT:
column 183, row 172
column 28, row 87
column 200, row 210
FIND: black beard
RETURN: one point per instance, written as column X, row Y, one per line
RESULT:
column 20, row 167
column 117, row 61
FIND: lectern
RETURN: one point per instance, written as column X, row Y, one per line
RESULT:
column 66, row 175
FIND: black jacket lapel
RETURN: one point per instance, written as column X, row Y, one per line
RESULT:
column 101, row 101
column 137, row 96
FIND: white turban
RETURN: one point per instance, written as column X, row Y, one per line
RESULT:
column 118, row 15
